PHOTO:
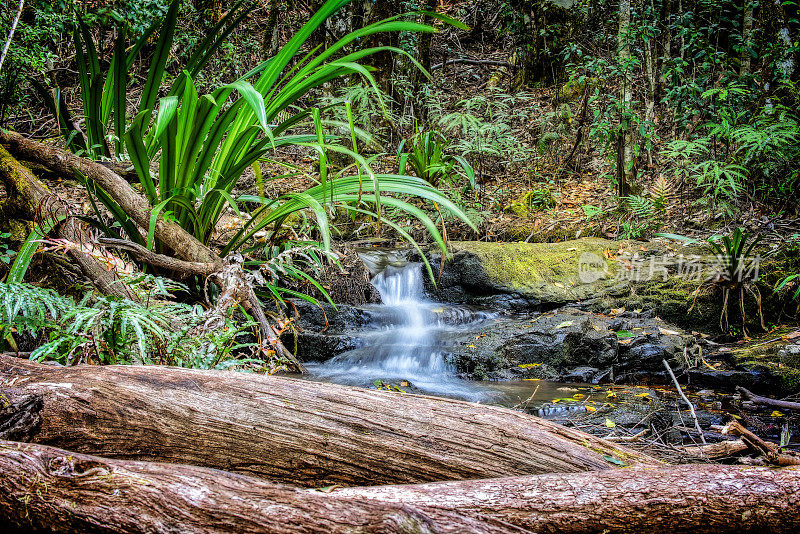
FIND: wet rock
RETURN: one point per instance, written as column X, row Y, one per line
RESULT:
column 756, row 378
column 571, row 345
column 321, row 332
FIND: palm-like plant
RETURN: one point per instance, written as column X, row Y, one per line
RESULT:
column 735, row 264
column 203, row 147
column 429, row 159
column 104, row 96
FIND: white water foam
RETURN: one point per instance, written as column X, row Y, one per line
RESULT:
column 409, row 340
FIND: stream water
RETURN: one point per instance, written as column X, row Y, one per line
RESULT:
column 407, row 339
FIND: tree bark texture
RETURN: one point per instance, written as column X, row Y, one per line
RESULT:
column 135, row 206
column 690, row 499
column 36, row 203
column 295, row 431
column 43, row 488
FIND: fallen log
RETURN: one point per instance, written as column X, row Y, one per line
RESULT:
column 44, row 488
column 135, row 206
column 36, row 202
column 196, row 255
column 715, row 451
column 296, row 431
column 48, row 489
column 770, row 451
column 690, row 499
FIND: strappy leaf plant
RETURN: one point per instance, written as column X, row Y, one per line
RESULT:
column 738, row 271
column 203, row 145
column 104, row 90
column 429, row 158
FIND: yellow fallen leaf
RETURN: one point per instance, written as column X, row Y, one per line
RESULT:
column 611, row 395
column 625, row 341
column 591, row 409
column 610, row 423
column 470, row 346
column 531, row 379
column 579, row 395
column 776, row 413
column 642, row 394
column 528, row 365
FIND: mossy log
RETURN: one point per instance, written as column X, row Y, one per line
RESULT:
column 52, row 490
column 35, row 202
column 296, row 431
column 132, row 203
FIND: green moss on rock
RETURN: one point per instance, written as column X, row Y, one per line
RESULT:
column 550, row 272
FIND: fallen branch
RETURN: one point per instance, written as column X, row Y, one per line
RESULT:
column 769, row 450
column 715, row 451
column 467, row 61
column 161, row 261
column 686, row 400
column 766, row 401
column 296, row 431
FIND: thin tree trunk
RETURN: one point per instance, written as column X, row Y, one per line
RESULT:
column 624, row 136
column 11, row 33
column 269, row 45
column 747, row 31
column 43, row 488
column 295, row 431
column 690, row 499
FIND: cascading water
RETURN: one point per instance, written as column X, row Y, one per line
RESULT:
column 407, row 339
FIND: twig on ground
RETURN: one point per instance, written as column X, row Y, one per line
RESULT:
column 686, row 400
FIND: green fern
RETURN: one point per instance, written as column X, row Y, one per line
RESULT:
column 641, row 207
column 28, row 309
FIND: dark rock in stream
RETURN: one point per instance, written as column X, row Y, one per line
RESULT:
column 571, row 345
column 567, row 345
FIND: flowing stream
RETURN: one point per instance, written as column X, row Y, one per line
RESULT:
column 407, row 340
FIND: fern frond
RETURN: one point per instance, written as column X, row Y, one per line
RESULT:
column 640, row 206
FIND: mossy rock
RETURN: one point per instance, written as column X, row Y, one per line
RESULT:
column 771, row 352
column 532, row 201
column 547, row 272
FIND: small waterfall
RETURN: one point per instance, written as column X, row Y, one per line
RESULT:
column 407, row 339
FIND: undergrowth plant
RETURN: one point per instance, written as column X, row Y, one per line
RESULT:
column 106, row 330
column 429, row 157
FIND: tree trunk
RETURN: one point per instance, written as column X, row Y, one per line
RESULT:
column 37, row 203
column 270, row 42
column 135, row 206
column 42, row 488
column 624, row 136
column 295, row 431
column 691, row 499
column 747, row 31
